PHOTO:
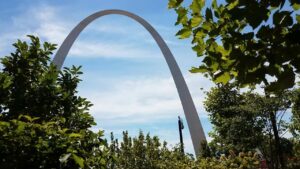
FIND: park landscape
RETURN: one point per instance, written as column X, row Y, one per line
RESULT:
column 248, row 49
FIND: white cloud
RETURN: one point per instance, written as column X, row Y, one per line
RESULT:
column 130, row 104
column 119, row 27
column 110, row 50
column 46, row 22
column 142, row 99
column 42, row 21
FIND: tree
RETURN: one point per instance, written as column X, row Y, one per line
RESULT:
column 43, row 123
column 244, row 41
column 295, row 125
column 237, row 122
column 241, row 122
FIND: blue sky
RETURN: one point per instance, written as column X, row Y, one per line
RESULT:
column 125, row 74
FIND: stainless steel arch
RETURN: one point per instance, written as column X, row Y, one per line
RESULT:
column 194, row 124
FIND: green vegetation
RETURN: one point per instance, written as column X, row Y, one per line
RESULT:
column 246, row 43
column 43, row 123
column 144, row 152
column 241, row 122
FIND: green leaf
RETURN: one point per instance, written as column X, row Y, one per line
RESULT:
column 78, row 160
column 75, row 135
column 298, row 18
column 182, row 16
column 174, row 3
column 28, row 118
column 255, row 14
column 21, row 127
column 282, row 18
column 3, row 123
column 184, row 33
column 264, row 32
column 4, row 78
column 208, row 14
column 195, row 21
column 215, row 4
column 102, row 161
column 296, row 6
column 206, row 26
column 285, row 80
column 197, row 5
column 199, row 48
column 222, row 77
column 200, row 34
column 232, row 4
column 200, row 69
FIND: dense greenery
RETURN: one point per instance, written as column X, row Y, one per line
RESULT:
column 43, row 123
column 241, row 122
column 295, row 122
column 145, row 152
column 245, row 41
column 295, row 126
column 238, row 123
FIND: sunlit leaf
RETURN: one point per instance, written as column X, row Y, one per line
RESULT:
column 200, row 69
column 182, row 16
column 296, row 6
column 222, row 77
column 195, row 21
column 75, row 135
column 233, row 4
column 298, row 18
column 78, row 160
column 184, row 33
column 174, row 3
column 197, row 5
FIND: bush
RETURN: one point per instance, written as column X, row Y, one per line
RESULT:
column 43, row 123
column 148, row 153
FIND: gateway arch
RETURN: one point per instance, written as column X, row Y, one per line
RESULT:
column 193, row 121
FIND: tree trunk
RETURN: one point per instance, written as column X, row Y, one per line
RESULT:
column 278, row 148
column 272, row 163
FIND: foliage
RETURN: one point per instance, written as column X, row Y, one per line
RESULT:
column 205, row 150
column 145, row 152
column 242, row 122
column 242, row 161
column 245, row 41
column 43, row 123
column 24, row 143
column 237, row 122
column 295, row 120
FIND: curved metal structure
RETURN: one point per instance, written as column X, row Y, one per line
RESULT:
column 193, row 121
